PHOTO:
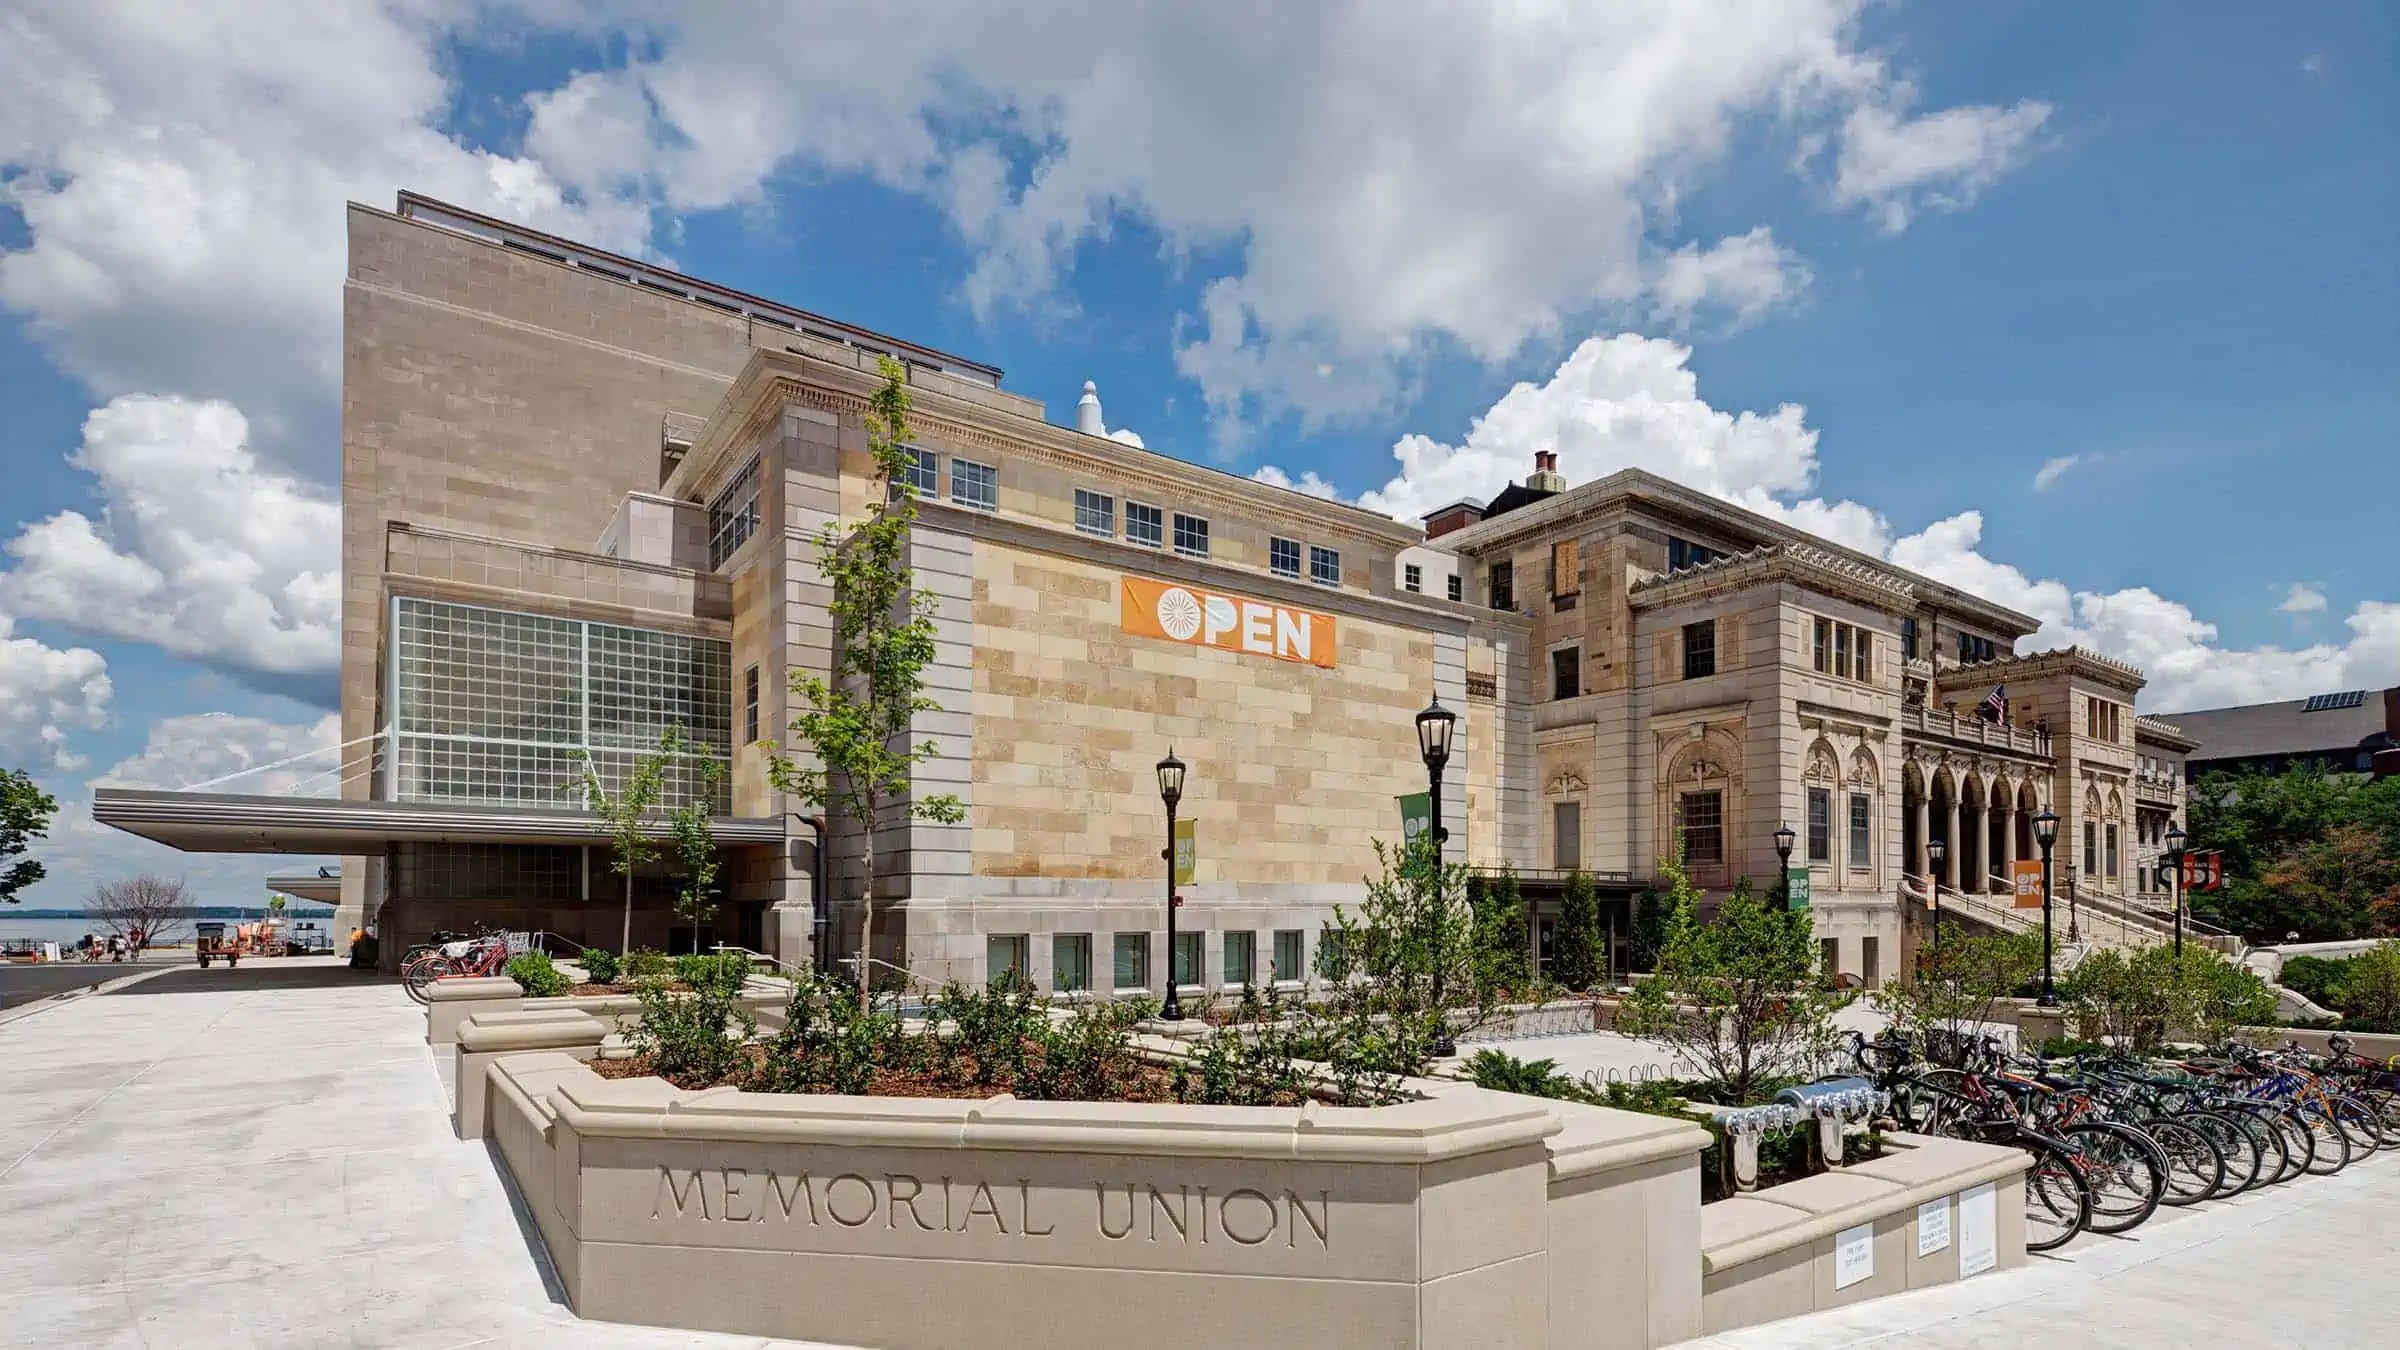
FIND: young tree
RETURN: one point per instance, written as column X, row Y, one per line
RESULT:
column 859, row 721
column 1502, row 960
column 153, row 904
column 25, row 812
column 1411, row 941
column 696, row 849
column 627, row 811
column 1741, row 997
column 1579, row 957
column 1958, row 989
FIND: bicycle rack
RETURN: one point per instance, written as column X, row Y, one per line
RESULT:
column 1832, row 1105
column 1743, row 1125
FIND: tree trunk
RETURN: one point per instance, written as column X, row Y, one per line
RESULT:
column 625, row 943
column 866, row 919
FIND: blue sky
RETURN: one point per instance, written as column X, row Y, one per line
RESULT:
column 2148, row 246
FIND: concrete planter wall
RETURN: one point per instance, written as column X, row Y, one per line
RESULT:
column 449, row 1003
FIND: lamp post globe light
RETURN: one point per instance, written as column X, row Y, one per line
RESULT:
column 2045, row 833
column 1936, row 850
column 1783, row 862
column 1170, row 791
column 1435, row 726
column 2175, row 837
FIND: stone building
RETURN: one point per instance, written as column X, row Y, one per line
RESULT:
column 581, row 501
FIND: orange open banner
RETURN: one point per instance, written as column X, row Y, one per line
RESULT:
column 2027, row 875
column 1204, row 618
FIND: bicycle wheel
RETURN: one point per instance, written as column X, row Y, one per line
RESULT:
column 2359, row 1121
column 2245, row 1154
column 423, row 972
column 2125, row 1170
column 2195, row 1165
column 2385, row 1103
column 2058, row 1201
column 2332, row 1147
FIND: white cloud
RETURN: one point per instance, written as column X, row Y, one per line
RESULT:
column 1309, row 482
column 208, row 747
column 2052, row 470
column 45, row 694
column 1895, row 165
column 1368, row 184
column 1124, row 437
column 2302, row 600
column 198, row 548
column 2313, row 64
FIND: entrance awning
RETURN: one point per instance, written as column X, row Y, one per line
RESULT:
column 218, row 822
column 322, row 886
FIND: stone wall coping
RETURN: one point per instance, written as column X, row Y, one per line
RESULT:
column 525, row 1079
column 488, row 1033
column 470, row 987
column 1601, row 1139
column 1456, row 1124
column 1743, row 1229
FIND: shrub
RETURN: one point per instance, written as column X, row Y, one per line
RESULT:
column 602, row 965
column 1085, row 1055
column 832, row 1040
column 1957, row 990
column 644, row 964
column 1501, row 1071
column 534, row 974
column 988, row 1030
column 1503, row 961
column 724, row 971
column 1581, row 950
column 2137, row 1001
column 2370, row 994
column 2315, row 978
column 693, row 1039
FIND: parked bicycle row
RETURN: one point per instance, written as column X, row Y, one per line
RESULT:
column 2115, row 1136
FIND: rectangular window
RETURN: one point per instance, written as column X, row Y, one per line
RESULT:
column 1841, row 651
column 1324, row 565
column 1703, row 827
column 1132, row 961
column 1820, row 825
column 2091, row 848
column 1566, row 672
column 974, row 485
column 2111, row 835
column 1699, row 649
column 1861, row 661
column 1566, row 568
column 1187, row 959
column 1862, row 851
column 1457, row 588
column 1071, row 962
column 1145, row 525
column 1566, row 835
column 1820, row 647
column 1096, row 513
column 1870, row 956
column 1908, row 639
column 750, row 705
column 1504, row 586
column 733, row 515
column 1283, row 557
column 1241, row 958
column 1290, row 959
column 1412, row 579
column 1191, row 536
column 1004, row 959
column 923, row 472
column 1683, row 553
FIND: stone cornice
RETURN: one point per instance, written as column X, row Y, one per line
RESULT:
column 2068, row 660
column 2149, row 730
column 1815, row 568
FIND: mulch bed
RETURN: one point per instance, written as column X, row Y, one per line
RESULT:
column 1140, row 1083
column 591, row 990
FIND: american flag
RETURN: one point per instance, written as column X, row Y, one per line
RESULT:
column 1995, row 705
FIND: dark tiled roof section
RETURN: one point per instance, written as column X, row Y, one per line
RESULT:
column 2283, row 728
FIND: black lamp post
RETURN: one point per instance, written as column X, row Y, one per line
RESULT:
column 2175, row 883
column 1170, row 791
column 2045, row 833
column 1783, row 862
column 1434, row 728
column 1935, row 851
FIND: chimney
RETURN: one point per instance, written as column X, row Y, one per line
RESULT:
column 1087, row 411
column 1456, row 516
column 1545, row 476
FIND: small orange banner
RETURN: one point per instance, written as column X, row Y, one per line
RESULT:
column 1202, row 618
column 2028, row 876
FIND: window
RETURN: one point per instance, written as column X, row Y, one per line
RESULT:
column 1004, row 959
column 1844, row 651
column 1191, row 536
column 2091, row 848
column 1187, row 959
column 1325, row 565
column 2102, row 720
column 1132, row 961
column 974, row 485
column 1566, row 672
column 1241, row 958
column 1504, row 586
column 923, row 472
column 1566, row 567
column 1841, row 651
column 1699, row 649
column 1972, row 649
column 1290, row 960
column 1071, row 962
column 1096, row 513
column 1145, row 525
column 1703, row 827
column 733, row 515
column 1283, row 557
column 1457, row 588
column 1683, row 553
column 1566, row 835
column 750, row 705
column 1412, row 578
column 1820, row 825
column 1861, row 850
column 1908, row 639
column 2110, row 833
column 1870, row 951
column 1861, row 665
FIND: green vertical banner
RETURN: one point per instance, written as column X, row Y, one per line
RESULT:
column 1416, row 813
column 1795, row 880
column 1187, row 851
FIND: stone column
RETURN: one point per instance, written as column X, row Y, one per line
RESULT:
column 1950, row 859
column 2008, row 841
column 1917, row 865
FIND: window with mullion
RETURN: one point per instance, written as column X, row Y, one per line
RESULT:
column 1191, row 536
column 974, row 485
column 1145, row 525
column 1283, row 557
column 1324, row 565
column 1096, row 513
column 1820, row 825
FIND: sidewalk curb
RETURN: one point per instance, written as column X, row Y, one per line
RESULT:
column 23, row 1011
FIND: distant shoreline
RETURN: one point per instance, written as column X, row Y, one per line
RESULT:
column 197, row 912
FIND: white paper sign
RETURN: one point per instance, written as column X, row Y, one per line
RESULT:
column 1933, row 1225
column 1978, row 1231
column 1853, row 1255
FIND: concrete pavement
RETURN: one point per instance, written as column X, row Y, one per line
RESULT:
column 21, row 986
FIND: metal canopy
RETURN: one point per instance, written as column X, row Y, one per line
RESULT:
column 217, row 822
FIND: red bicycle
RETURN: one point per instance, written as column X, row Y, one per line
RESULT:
column 486, row 955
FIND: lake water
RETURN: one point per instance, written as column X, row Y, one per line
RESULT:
column 65, row 931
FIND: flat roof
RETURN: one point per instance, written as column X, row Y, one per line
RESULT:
column 225, row 822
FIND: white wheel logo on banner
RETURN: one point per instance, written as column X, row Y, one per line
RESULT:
column 1179, row 614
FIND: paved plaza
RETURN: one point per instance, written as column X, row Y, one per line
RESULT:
column 262, row 1158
